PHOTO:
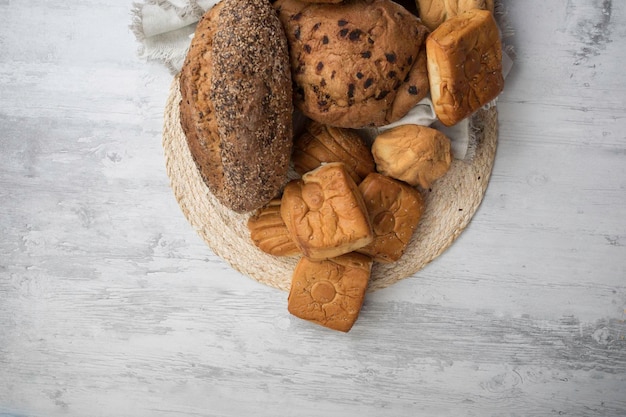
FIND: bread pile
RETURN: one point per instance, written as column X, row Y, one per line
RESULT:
column 328, row 196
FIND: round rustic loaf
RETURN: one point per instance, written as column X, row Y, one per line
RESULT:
column 236, row 108
column 355, row 64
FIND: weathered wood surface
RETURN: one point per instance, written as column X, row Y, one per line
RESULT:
column 111, row 305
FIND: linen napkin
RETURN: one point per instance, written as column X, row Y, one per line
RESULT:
column 164, row 29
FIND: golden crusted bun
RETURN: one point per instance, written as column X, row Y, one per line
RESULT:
column 435, row 12
column 269, row 232
column 356, row 63
column 325, row 213
column 322, row 143
column 415, row 154
column 236, row 109
column 330, row 292
column 464, row 65
column 395, row 209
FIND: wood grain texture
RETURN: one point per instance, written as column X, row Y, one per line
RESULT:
column 111, row 304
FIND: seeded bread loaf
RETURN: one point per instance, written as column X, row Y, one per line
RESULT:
column 355, row 64
column 236, row 109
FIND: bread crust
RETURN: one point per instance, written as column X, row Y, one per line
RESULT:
column 417, row 155
column 269, row 232
column 395, row 209
column 330, row 292
column 236, row 108
column 464, row 65
column 325, row 213
column 320, row 144
column 435, row 12
column 352, row 61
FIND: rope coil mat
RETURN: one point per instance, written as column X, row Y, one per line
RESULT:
column 449, row 207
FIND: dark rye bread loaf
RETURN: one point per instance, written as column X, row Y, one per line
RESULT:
column 355, row 64
column 236, row 108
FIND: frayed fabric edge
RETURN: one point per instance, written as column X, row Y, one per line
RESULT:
column 170, row 57
column 136, row 25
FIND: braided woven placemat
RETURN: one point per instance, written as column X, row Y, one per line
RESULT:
column 449, row 207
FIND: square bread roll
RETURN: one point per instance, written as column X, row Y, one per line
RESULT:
column 395, row 209
column 464, row 57
column 325, row 213
column 330, row 292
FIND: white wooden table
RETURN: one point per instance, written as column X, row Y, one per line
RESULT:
column 111, row 305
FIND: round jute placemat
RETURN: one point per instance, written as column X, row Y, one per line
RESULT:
column 449, row 207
